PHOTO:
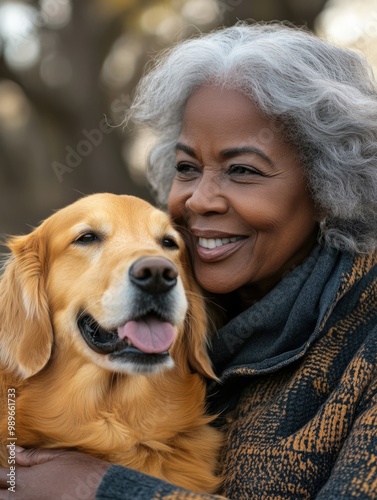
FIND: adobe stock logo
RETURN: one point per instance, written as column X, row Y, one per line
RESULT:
column 74, row 157
column 91, row 138
column 226, row 7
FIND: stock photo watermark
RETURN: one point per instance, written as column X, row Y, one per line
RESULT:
column 84, row 489
column 12, row 439
column 226, row 7
column 91, row 139
column 74, row 156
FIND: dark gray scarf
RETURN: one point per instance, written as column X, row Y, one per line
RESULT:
column 278, row 329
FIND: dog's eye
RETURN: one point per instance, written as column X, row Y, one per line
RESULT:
column 169, row 242
column 87, row 238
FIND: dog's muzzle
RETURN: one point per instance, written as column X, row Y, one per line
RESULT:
column 145, row 339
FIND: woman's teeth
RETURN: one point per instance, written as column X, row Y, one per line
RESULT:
column 217, row 242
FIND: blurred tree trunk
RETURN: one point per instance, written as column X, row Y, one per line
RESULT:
column 63, row 117
column 61, row 152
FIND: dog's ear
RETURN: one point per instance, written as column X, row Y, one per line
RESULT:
column 197, row 335
column 25, row 326
column 194, row 342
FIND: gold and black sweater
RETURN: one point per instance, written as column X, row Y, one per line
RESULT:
column 297, row 392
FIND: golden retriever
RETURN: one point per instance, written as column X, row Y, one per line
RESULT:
column 103, row 338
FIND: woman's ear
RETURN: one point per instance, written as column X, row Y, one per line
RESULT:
column 25, row 326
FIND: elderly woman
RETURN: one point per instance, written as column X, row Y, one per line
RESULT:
column 266, row 157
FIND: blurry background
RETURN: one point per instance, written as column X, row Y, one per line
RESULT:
column 68, row 69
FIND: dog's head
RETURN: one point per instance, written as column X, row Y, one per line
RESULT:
column 106, row 278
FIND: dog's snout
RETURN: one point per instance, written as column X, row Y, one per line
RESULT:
column 153, row 274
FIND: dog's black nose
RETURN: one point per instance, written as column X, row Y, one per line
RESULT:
column 153, row 274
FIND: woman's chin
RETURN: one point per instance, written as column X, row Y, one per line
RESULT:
column 213, row 284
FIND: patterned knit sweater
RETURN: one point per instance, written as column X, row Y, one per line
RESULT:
column 297, row 391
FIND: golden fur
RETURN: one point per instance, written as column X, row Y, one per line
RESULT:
column 68, row 395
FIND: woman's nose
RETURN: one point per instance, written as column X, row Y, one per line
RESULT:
column 207, row 197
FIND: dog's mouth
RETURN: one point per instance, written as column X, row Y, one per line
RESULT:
column 148, row 335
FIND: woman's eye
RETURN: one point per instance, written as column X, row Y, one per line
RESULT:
column 169, row 242
column 87, row 238
column 184, row 167
column 244, row 170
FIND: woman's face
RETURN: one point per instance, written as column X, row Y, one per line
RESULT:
column 240, row 191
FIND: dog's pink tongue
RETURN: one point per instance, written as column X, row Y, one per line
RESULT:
column 148, row 335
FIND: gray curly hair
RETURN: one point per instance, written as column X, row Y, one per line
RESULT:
column 321, row 97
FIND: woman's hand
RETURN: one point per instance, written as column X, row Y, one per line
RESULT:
column 49, row 474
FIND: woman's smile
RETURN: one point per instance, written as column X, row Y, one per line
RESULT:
column 210, row 249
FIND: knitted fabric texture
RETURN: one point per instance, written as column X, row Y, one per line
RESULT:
column 297, row 391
